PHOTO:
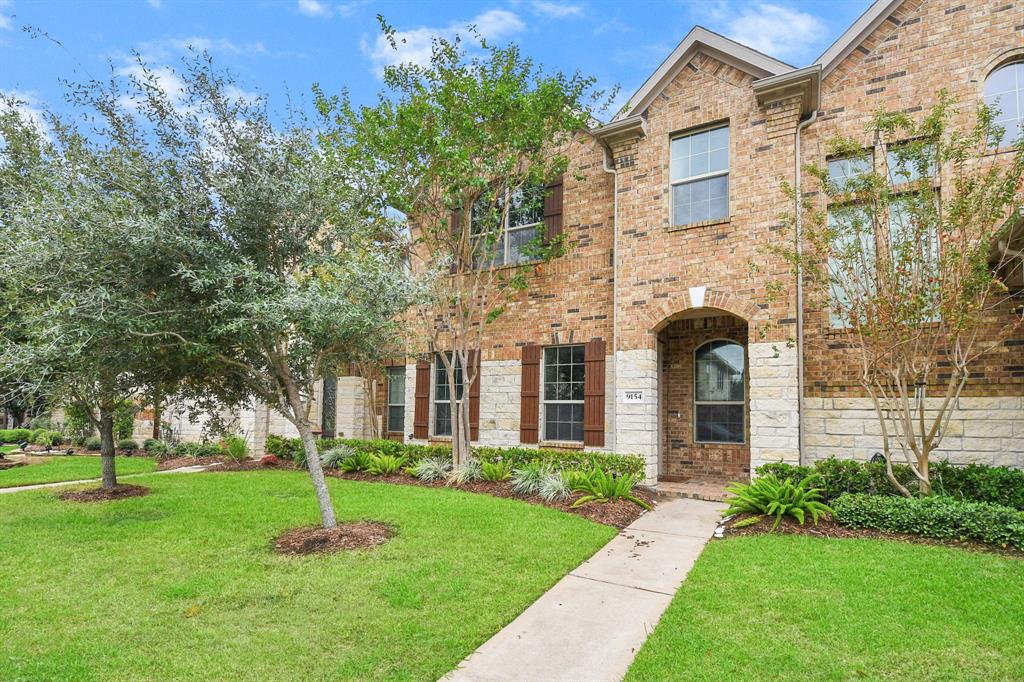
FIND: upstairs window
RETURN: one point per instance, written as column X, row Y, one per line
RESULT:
column 500, row 237
column 1004, row 90
column 442, row 394
column 700, row 177
column 842, row 171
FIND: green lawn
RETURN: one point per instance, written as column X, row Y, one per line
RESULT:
column 799, row 608
column 183, row 584
column 4, row 449
column 74, row 468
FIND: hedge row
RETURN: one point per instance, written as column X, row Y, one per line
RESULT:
column 14, row 435
column 974, row 482
column 935, row 517
column 288, row 448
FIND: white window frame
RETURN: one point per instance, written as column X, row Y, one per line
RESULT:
column 438, row 367
column 1009, row 136
column 507, row 229
column 392, row 398
column 741, row 403
column 543, row 393
column 704, row 176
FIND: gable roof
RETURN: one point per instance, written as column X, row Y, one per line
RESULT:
column 700, row 39
column 747, row 59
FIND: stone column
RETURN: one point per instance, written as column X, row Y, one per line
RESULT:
column 637, row 422
column 774, row 404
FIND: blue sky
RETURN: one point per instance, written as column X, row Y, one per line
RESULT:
column 282, row 47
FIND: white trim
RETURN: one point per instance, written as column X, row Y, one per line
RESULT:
column 542, row 427
column 700, row 39
column 697, row 296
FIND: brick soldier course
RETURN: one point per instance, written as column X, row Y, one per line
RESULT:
column 642, row 289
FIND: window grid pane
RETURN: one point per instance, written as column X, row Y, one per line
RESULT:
column 696, row 197
column 1004, row 90
column 442, row 406
column 564, row 371
column 396, row 399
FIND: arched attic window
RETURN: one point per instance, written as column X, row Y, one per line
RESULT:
column 1004, row 90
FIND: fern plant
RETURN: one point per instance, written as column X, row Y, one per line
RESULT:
column 495, row 471
column 385, row 465
column 598, row 486
column 357, row 461
column 768, row 496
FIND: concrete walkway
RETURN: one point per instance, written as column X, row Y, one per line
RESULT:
column 38, row 486
column 590, row 625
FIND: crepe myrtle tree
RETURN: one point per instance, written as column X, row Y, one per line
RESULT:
column 910, row 260
column 458, row 145
column 83, row 218
column 295, row 266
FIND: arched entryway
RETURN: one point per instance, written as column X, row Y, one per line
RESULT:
column 704, row 410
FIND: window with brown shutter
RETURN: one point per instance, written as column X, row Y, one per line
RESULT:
column 474, row 397
column 593, row 393
column 421, row 406
column 529, row 397
column 553, row 209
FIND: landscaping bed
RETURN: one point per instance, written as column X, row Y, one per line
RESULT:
column 118, row 492
column 619, row 513
column 319, row 540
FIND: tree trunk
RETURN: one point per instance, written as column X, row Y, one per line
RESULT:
column 107, row 447
column 157, row 413
column 316, row 471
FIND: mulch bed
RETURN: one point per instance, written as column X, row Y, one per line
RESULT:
column 10, row 463
column 830, row 529
column 118, row 492
column 619, row 514
column 317, row 540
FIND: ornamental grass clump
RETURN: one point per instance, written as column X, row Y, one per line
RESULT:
column 467, row 472
column 526, row 480
column 432, row 469
column 768, row 496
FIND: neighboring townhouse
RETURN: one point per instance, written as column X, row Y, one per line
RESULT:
column 652, row 335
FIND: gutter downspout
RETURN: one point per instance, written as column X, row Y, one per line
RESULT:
column 800, row 292
column 610, row 169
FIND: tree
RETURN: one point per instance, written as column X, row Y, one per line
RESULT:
column 462, row 143
column 83, row 221
column 295, row 266
column 914, row 277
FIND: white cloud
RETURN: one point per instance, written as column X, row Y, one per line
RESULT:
column 162, row 50
column 347, row 9
column 315, row 8
column 155, row 4
column 5, row 21
column 776, row 30
column 556, row 10
column 414, row 45
column 29, row 106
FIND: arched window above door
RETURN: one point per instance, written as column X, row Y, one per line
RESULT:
column 1004, row 90
column 719, row 391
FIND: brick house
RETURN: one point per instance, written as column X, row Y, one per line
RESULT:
column 652, row 336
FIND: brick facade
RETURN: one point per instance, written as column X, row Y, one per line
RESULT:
column 653, row 291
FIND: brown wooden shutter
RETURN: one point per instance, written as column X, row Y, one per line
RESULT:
column 456, row 225
column 529, row 397
column 553, row 209
column 421, row 408
column 474, row 397
column 593, row 393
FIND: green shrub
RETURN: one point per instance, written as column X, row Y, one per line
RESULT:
column 197, row 450
column 601, row 487
column 14, row 435
column 331, row 459
column 973, row 482
column 127, row 445
column 93, row 443
column 357, row 461
column 938, row 516
column 552, row 487
column 558, row 460
column 495, row 471
column 35, row 435
column 285, row 448
column 432, row 468
column 527, row 478
column 466, row 473
column 156, row 448
column 236, row 448
column 385, row 465
column 768, row 496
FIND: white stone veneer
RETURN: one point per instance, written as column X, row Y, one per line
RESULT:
column 774, row 409
column 982, row 430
